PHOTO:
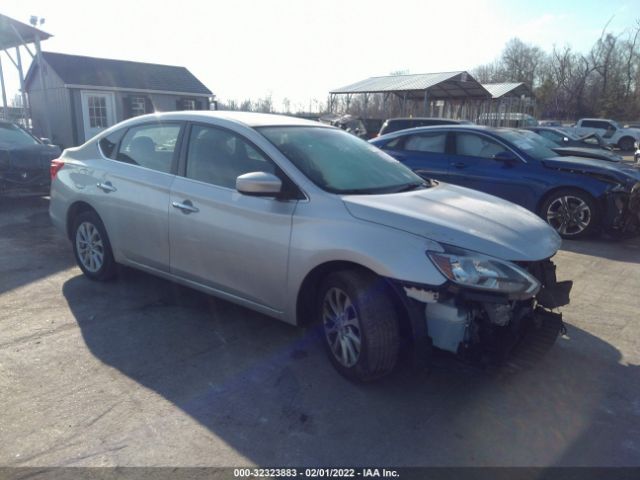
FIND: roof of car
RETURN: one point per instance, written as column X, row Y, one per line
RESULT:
column 421, row 119
column 597, row 119
column 250, row 119
column 433, row 128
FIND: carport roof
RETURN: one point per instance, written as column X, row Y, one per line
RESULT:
column 498, row 90
column 14, row 33
column 443, row 85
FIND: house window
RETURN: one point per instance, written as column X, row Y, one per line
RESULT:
column 138, row 106
column 189, row 104
column 97, row 112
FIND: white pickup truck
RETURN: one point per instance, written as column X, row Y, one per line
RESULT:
column 610, row 131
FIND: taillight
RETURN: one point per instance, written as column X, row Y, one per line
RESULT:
column 56, row 165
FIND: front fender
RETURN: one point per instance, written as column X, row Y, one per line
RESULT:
column 388, row 252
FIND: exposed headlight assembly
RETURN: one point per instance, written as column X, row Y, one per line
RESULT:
column 481, row 272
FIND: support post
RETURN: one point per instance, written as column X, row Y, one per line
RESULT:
column 45, row 98
column 25, row 114
column 5, row 113
column 424, row 103
column 366, row 104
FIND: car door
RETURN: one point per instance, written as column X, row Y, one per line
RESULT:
column 134, row 190
column 424, row 152
column 233, row 243
column 473, row 165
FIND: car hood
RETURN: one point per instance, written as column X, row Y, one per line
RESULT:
column 596, row 153
column 618, row 170
column 461, row 217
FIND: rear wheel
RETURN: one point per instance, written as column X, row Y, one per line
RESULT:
column 626, row 144
column 572, row 213
column 92, row 248
column 360, row 324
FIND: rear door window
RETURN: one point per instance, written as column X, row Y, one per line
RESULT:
column 151, row 146
column 426, row 142
column 472, row 145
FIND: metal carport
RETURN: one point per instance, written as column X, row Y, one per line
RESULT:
column 17, row 35
column 453, row 94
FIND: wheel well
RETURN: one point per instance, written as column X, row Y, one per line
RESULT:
column 313, row 280
column 74, row 210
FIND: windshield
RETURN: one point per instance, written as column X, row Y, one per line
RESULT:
column 341, row 163
column 13, row 136
column 535, row 136
column 569, row 135
column 528, row 142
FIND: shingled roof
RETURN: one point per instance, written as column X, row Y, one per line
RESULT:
column 121, row 74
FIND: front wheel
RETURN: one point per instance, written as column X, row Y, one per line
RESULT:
column 360, row 324
column 92, row 248
column 572, row 213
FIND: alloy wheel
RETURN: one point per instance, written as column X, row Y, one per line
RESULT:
column 341, row 327
column 89, row 247
column 569, row 215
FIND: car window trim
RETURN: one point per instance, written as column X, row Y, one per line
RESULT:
column 482, row 134
column 174, row 158
column 296, row 194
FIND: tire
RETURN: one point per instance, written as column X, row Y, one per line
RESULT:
column 92, row 248
column 626, row 144
column 368, row 314
column 575, row 209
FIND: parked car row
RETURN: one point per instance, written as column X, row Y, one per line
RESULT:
column 311, row 225
column 593, row 150
column 577, row 196
column 610, row 130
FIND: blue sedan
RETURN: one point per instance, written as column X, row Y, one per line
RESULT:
column 576, row 196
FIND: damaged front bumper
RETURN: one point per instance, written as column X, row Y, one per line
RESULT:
column 625, row 206
column 485, row 326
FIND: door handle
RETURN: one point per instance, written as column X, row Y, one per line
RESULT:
column 106, row 187
column 186, row 207
column 460, row 165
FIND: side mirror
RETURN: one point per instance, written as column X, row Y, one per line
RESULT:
column 259, row 184
column 45, row 140
column 505, row 156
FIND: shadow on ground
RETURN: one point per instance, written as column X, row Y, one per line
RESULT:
column 627, row 250
column 30, row 247
column 266, row 389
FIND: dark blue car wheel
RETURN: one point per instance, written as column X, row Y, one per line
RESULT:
column 572, row 213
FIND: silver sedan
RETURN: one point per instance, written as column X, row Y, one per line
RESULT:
column 310, row 225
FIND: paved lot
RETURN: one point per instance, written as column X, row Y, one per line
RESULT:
column 143, row 372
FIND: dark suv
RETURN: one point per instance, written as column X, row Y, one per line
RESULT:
column 395, row 124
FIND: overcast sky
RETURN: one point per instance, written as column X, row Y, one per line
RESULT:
column 302, row 49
